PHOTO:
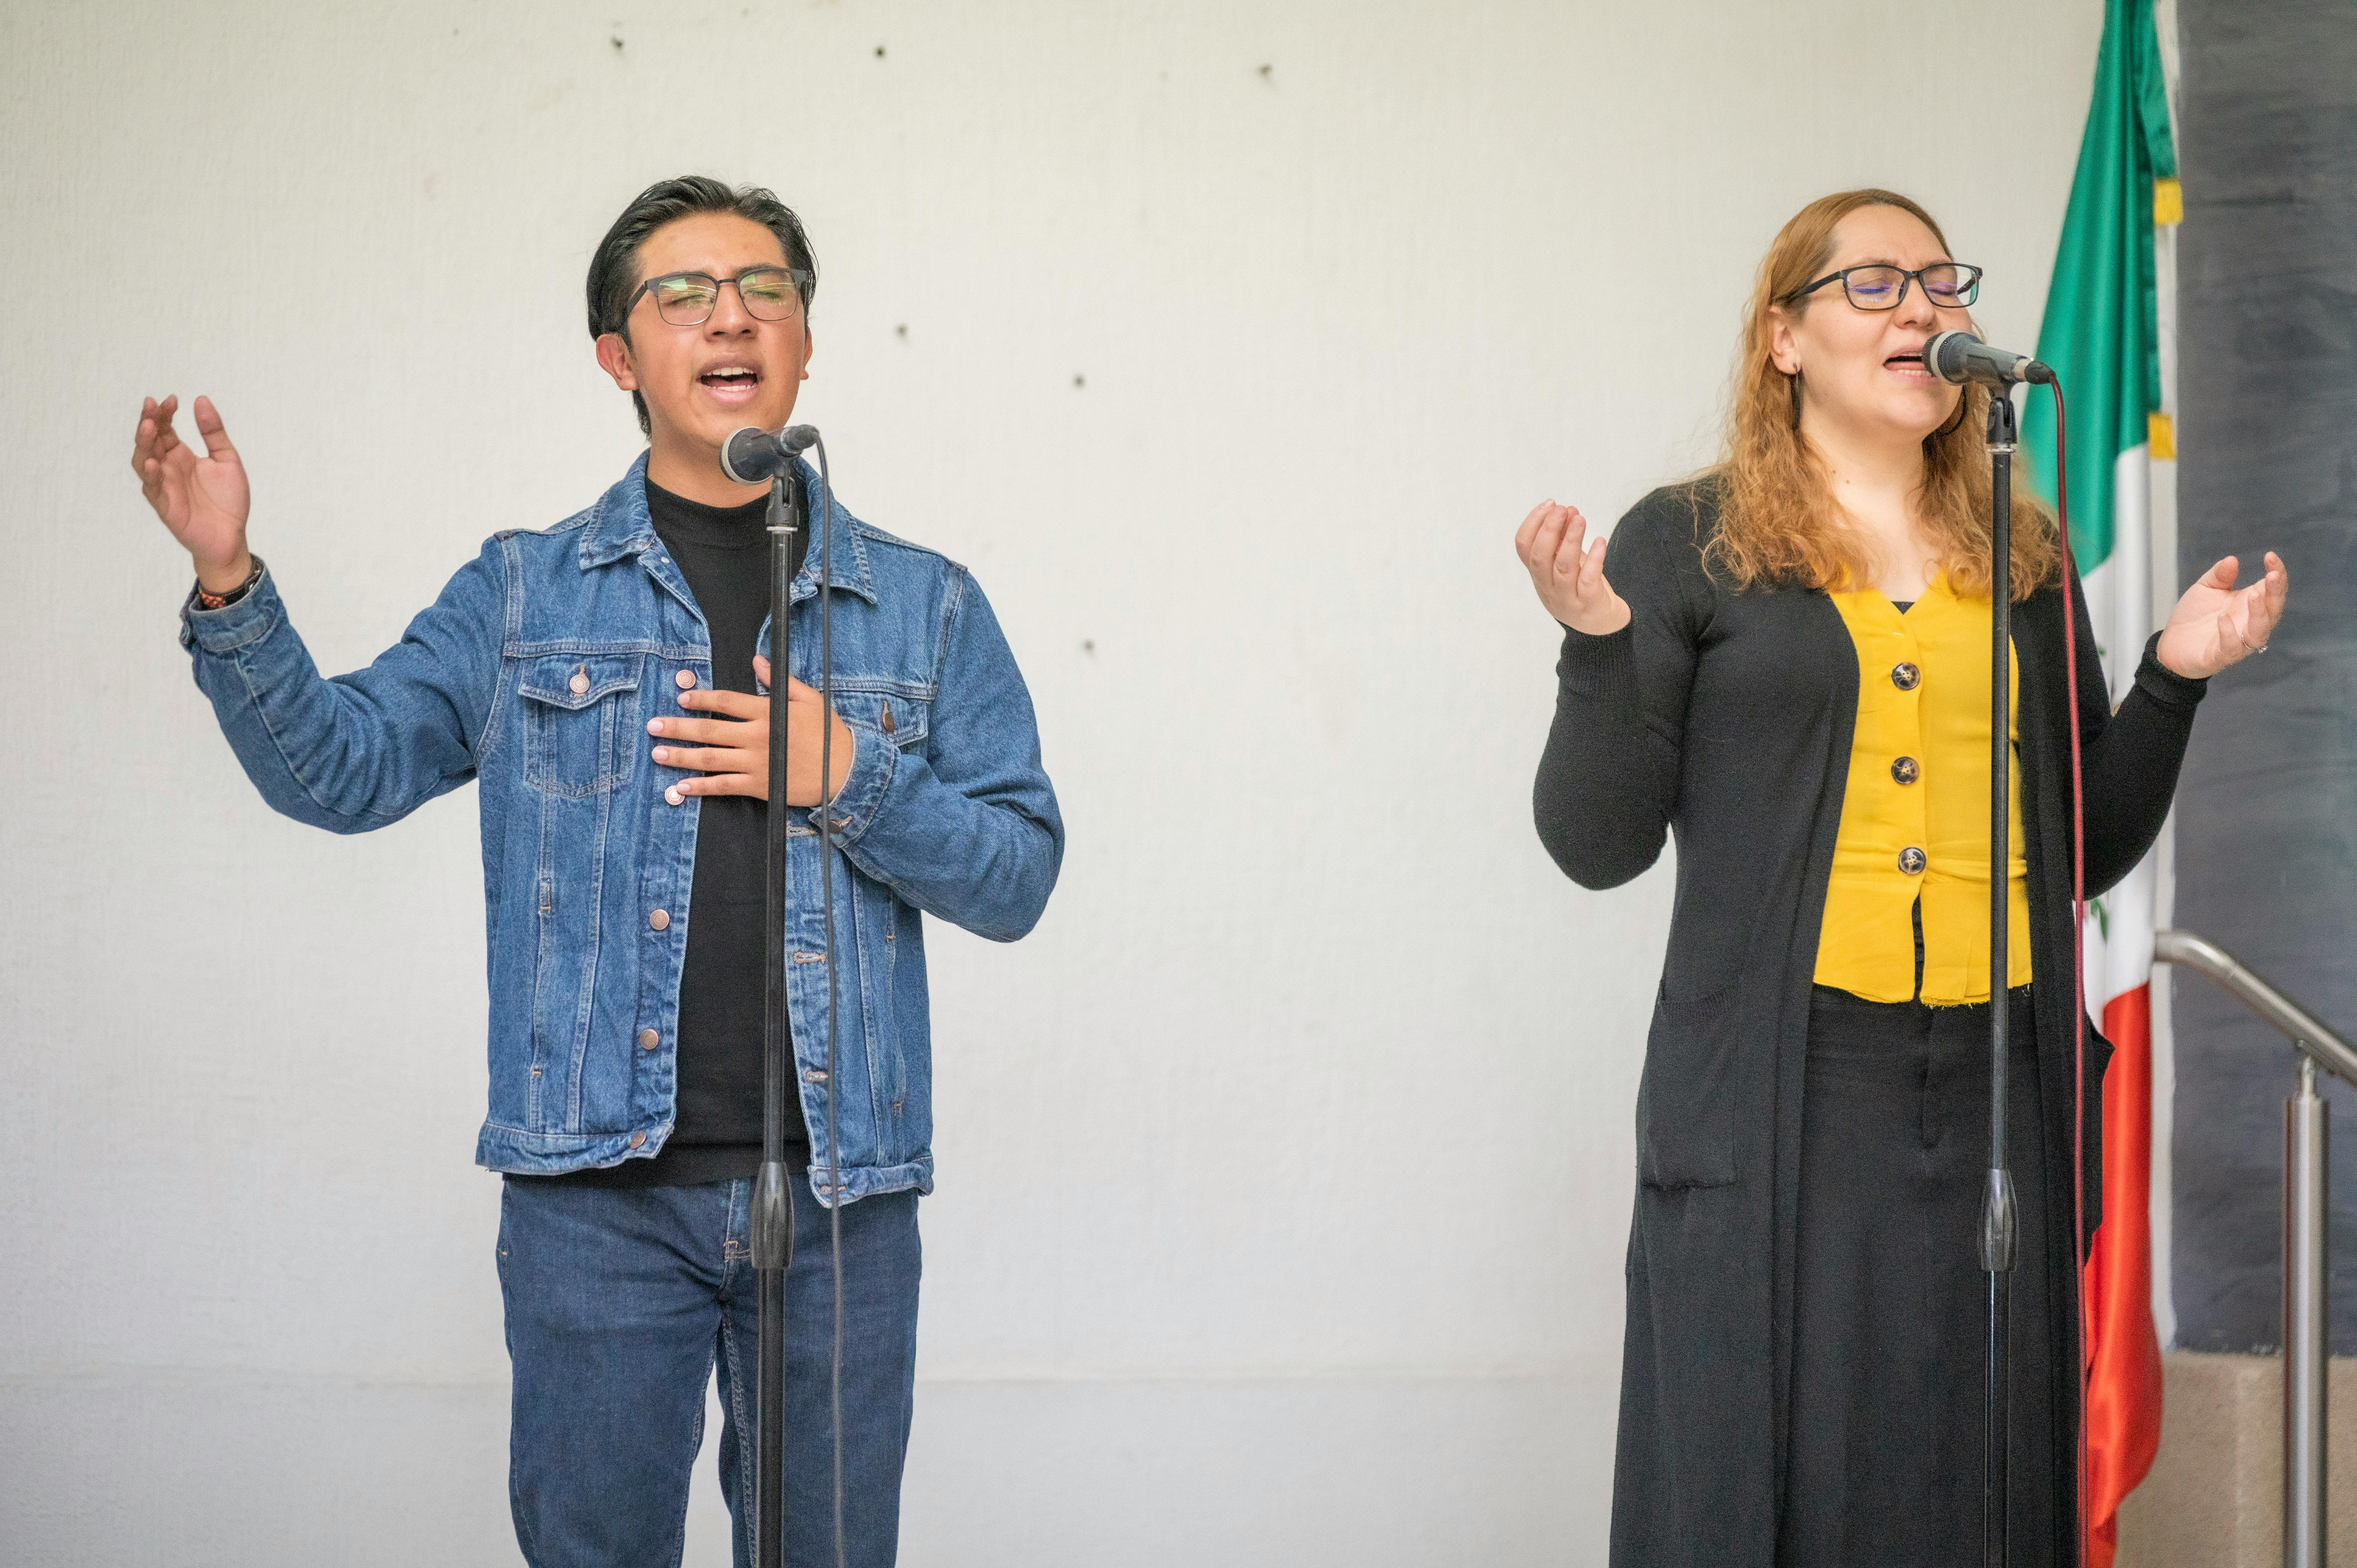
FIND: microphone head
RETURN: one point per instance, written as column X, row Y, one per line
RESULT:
column 797, row 438
column 1944, row 355
column 749, row 456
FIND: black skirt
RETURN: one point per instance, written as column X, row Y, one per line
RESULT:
column 1884, row 1452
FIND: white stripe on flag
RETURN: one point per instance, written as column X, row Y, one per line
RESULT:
column 2120, row 603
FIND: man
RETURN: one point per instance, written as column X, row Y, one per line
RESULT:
column 600, row 680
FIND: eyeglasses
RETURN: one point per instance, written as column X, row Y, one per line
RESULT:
column 1947, row 284
column 688, row 299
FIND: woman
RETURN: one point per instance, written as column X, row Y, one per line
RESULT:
column 1786, row 661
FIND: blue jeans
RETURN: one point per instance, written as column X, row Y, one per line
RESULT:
column 621, row 1301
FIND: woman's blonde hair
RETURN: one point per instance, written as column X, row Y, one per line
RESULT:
column 1778, row 523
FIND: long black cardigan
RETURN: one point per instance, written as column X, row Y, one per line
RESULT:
column 1727, row 717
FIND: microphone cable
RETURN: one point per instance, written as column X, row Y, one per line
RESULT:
column 834, row 1000
column 2078, row 955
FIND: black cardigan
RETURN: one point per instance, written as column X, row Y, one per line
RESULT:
column 1725, row 717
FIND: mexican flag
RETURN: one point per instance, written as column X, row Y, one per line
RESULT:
column 2102, row 335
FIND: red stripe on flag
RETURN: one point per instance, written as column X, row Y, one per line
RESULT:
column 2123, row 1352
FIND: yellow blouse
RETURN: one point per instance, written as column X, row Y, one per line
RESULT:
column 1914, row 821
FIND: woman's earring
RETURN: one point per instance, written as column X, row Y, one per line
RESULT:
column 1793, row 384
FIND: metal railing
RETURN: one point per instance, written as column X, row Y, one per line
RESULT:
column 2306, row 1207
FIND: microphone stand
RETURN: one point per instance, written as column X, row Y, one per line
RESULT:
column 772, row 1218
column 1997, row 1211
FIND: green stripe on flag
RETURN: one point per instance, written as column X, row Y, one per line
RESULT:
column 2102, row 329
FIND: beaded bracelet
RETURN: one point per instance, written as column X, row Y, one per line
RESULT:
column 206, row 601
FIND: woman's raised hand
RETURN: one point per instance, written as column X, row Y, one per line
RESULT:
column 2216, row 624
column 202, row 499
column 1568, row 572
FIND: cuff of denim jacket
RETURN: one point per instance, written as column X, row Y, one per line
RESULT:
column 873, row 763
column 2166, row 685
column 233, row 626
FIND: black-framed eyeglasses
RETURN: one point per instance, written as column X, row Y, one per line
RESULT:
column 1951, row 285
column 688, row 299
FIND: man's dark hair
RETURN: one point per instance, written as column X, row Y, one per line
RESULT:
column 614, row 271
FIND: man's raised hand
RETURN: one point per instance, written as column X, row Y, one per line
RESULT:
column 1567, row 572
column 202, row 500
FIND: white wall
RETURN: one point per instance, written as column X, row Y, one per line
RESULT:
column 1286, row 1171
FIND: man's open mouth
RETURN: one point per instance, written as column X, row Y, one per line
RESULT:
column 731, row 377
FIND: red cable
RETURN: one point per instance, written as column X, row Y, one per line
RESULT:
column 2078, row 955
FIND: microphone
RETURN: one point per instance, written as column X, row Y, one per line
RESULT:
column 1959, row 357
column 754, row 455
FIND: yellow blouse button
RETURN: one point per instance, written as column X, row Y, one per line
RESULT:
column 1906, row 676
column 1905, row 771
column 1910, row 861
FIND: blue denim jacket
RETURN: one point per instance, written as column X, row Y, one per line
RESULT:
column 535, row 673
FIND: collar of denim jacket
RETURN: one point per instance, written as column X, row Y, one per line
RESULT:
column 620, row 525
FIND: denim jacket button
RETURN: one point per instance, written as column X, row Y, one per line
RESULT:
column 660, row 919
column 638, row 1140
column 685, row 678
column 649, row 1039
column 580, row 681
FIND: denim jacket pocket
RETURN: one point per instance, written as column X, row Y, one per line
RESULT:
column 898, row 714
column 580, row 713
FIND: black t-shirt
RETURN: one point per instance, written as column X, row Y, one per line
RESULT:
column 724, row 553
